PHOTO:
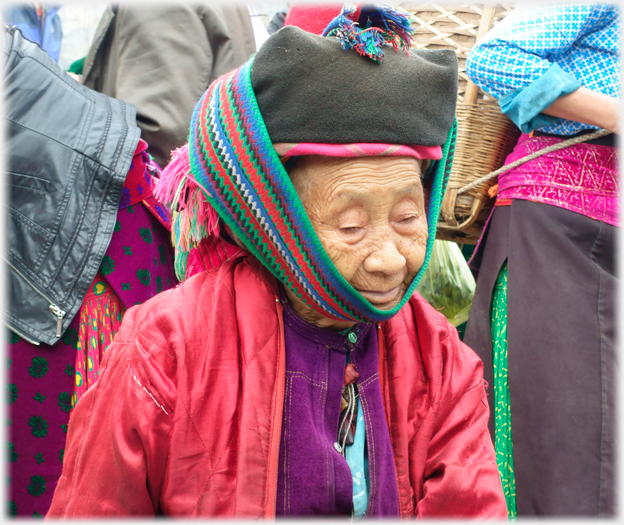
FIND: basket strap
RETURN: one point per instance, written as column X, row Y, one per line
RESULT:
column 544, row 151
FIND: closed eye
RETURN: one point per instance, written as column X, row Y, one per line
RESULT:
column 352, row 234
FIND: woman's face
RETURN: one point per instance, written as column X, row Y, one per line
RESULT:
column 369, row 214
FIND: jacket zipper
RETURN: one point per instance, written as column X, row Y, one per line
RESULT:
column 60, row 314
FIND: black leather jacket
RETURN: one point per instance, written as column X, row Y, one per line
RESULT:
column 68, row 152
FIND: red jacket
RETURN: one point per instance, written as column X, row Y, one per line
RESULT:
column 185, row 418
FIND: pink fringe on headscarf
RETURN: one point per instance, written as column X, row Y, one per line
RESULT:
column 195, row 228
column 196, row 218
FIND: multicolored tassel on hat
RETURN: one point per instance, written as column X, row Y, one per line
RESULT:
column 370, row 27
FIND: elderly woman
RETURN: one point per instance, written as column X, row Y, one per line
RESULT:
column 301, row 375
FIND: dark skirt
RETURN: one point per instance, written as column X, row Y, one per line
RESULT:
column 560, row 336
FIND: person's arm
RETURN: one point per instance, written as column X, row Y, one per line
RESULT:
column 588, row 107
column 517, row 63
column 116, row 451
column 461, row 477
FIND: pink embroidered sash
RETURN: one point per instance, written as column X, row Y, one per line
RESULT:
column 582, row 178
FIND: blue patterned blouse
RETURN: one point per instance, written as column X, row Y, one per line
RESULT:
column 534, row 56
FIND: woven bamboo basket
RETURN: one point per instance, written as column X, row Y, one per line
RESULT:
column 484, row 136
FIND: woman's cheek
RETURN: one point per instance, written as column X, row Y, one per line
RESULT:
column 415, row 247
column 344, row 256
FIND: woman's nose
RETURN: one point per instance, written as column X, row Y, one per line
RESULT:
column 386, row 257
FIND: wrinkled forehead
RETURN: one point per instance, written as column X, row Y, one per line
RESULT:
column 343, row 179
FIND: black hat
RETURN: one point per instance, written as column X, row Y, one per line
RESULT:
column 310, row 89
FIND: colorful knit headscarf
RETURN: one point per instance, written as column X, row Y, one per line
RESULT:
column 237, row 171
column 234, row 170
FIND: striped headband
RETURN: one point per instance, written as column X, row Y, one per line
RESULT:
column 236, row 171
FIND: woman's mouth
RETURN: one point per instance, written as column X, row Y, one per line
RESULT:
column 379, row 297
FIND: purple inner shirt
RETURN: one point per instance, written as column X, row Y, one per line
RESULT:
column 314, row 478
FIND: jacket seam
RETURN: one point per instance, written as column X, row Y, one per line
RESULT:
column 301, row 375
column 26, row 175
column 91, row 243
column 54, row 72
column 246, row 365
column 72, row 241
column 28, row 329
column 154, row 343
column 111, row 179
column 80, row 153
column 35, row 190
column 28, row 223
column 124, row 134
column 210, row 462
column 97, row 41
column 440, row 377
column 45, row 250
column 244, row 372
column 104, row 136
column 603, row 374
column 276, row 417
column 212, row 470
column 213, row 466
column 369, row 380
column 140, row 355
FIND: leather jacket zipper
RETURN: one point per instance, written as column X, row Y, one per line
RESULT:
column 60, row 314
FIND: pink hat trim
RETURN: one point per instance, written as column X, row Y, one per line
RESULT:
column 361, row 149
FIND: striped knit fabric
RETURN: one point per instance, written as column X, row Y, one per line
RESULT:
column 235, row 167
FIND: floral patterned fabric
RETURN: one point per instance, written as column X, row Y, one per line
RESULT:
column 100, row 318
column 40, row 388
column 139, row 261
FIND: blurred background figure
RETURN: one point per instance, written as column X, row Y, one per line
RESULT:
column 39, row 23
column 271, row 14
column 161, row 58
